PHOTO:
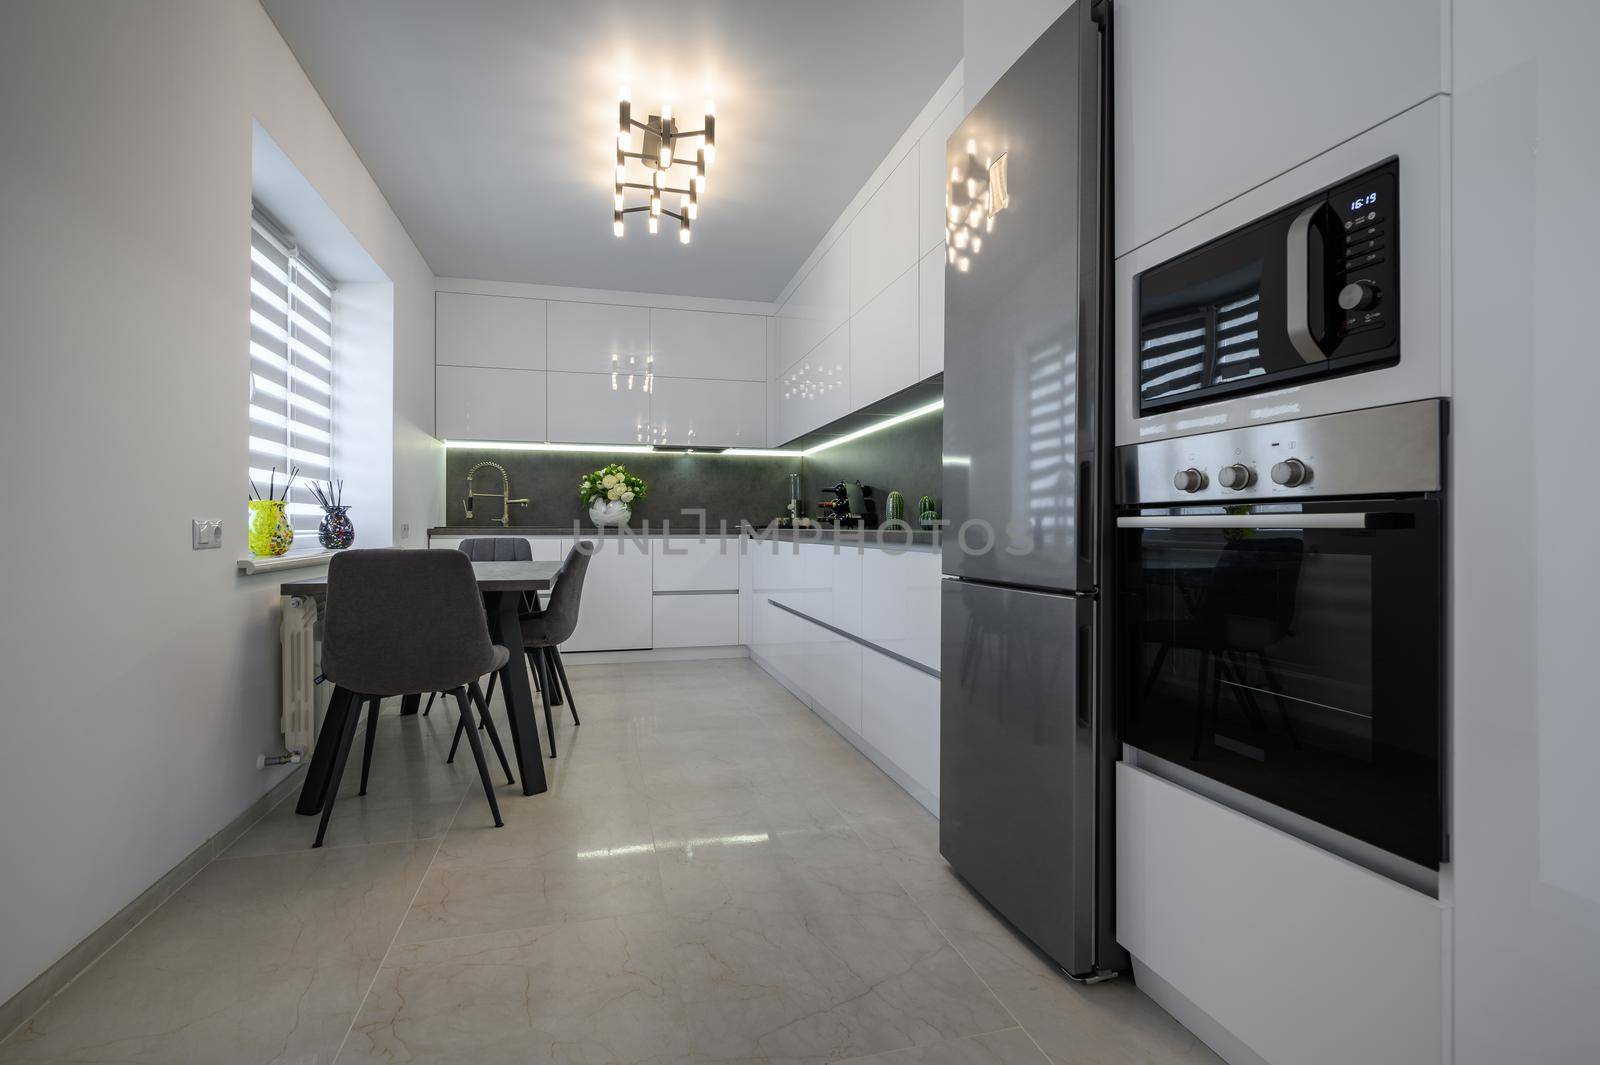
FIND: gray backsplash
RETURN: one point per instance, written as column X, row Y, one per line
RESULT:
column 729, row 488
column 906, row 458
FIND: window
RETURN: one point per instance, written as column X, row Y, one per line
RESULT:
column 291, row 370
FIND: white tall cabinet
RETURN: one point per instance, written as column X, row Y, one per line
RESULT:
column 864, row 318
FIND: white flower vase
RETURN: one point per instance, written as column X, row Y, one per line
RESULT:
column 609, row 512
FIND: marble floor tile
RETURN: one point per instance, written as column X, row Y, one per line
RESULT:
column 714, row 877
column 790, row 988
column 254, row 960
column 1011, row 1046
column 597, row 991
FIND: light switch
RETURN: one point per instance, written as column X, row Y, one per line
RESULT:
column 206, row 534
column 405, row 530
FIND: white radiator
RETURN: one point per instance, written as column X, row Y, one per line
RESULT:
column 297, row 634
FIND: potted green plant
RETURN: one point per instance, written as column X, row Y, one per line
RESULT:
column 611, row 492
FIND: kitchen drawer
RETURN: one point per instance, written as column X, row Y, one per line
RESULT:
column 900, row 716
column 696, row 620
column 699, row 564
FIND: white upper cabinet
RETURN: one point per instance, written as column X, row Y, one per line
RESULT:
column 816, row 390
column 729, row 347
column 481, row 403
column 584, row 336
column 502, row 331
column 883, row 237
column 818, row 305
column 1193, row 126
column 586, row 409
column 931, row 175
column 930, row 314
column 883, row 342
column 699, row 412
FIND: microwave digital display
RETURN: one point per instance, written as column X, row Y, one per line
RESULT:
column 1363, row 201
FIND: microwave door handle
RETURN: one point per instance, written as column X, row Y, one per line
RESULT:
column 1351, row 520
column 1297, row 265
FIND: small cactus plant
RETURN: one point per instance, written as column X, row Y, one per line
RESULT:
column 894, row 508
column 927, row 512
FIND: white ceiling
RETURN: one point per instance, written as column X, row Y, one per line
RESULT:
column 490, row 124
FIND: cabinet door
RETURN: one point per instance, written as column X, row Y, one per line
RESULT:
column 687, row 412
column 729, row 347
column 695, row 564
column 584, row 337
column 900, row 602
column 704, row 620
column 930, row 314
column 477, row 403
column 933, row 178
column 900, row 716
column 883, row 343
column 614, row 612
column 1168, row 167
column 585, row 408
column 816, row 390
column 883, row 237
column 819, row 304
column 502, row 331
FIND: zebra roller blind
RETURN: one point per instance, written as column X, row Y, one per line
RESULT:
column 291, row 370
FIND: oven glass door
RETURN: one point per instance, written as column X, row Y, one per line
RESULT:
column 1293, row 652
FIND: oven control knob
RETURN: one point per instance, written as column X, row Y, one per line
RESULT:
column 1236, row 477
column 1189, row 480
column 1291, row 473
column 1358, row 296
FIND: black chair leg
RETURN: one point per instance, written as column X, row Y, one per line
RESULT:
column 477, row 756
column 372, row 736
column 494, row 733
column 339, row 759
column 431, row 697
column 561, row 674
column 536, row 659
column 550, row 675
column 488, row 694
column 460, row 727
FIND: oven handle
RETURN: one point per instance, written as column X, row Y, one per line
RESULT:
column 1351, row 520
column 1297, row 263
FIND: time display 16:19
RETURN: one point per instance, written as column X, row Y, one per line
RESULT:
column 1363, row 201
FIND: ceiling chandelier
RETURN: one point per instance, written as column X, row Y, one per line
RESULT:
column 660, row 152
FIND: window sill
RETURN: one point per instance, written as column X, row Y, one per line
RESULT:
column 300, row 560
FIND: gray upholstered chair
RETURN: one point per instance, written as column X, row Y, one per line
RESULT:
column 494, row 549
column 544, row 632
column 373, row 646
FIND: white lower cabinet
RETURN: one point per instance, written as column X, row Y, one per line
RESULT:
column 832, row 676
column 696, row 619
column 900, row 716
column 616, row 610
column 695, row 563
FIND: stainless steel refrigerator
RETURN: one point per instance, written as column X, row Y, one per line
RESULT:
column 1025, row 739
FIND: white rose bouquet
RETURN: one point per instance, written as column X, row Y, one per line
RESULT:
column 612, row 483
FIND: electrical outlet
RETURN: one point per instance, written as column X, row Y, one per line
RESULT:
column 405, row 530
column 205, row 534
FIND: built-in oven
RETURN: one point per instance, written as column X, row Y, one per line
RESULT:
column 1310, row 290
column 1280, row 616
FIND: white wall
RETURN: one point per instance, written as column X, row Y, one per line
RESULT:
column 140, row 677
column 996, row 32
column 1526, row 727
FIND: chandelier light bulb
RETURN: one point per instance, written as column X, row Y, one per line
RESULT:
column 616, row 198
column 655, row 206
column 666, row 115
column 683, row 233
column 654, row 224
column 625, row 94
column 616, row 222
column 666, row 151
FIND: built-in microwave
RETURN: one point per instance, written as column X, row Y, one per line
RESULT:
column 1310, row 290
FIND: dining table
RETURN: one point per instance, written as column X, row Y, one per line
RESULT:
column 503, row 586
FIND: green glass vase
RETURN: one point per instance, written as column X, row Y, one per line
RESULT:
column 270, row 532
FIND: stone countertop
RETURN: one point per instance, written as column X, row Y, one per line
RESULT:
column 868, row 537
